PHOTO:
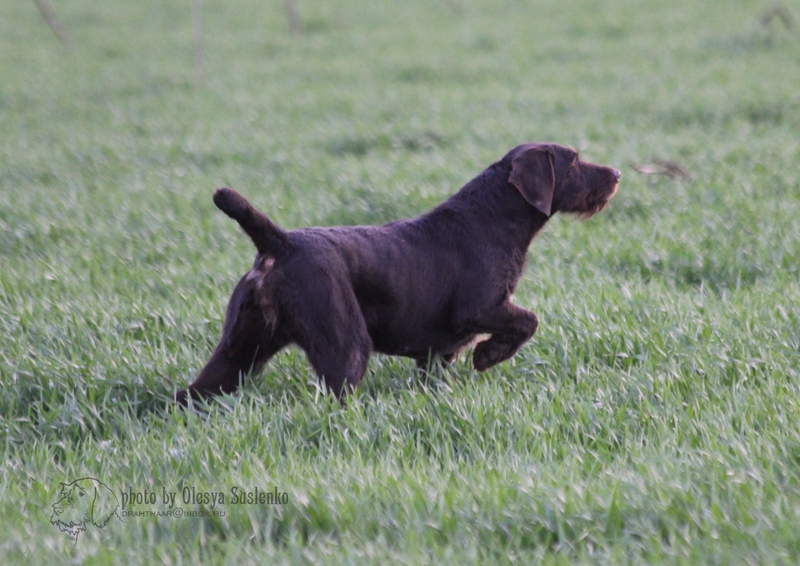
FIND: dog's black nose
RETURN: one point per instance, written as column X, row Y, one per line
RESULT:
column 617, row 174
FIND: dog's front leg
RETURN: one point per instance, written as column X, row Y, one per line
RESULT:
column 510, row 327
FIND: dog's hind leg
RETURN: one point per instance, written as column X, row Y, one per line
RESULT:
column 251, row 335
column 324, row 318
column 230, row 363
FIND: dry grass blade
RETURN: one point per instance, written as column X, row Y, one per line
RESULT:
column 198, row 44
column 663, row 167
column 52, row 20
column 778, row 12
column 293, row 17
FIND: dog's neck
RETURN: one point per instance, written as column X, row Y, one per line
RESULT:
column 497, row 206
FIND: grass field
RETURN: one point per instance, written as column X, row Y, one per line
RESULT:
column 653, row 418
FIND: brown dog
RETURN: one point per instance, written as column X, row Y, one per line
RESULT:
column 417, row 288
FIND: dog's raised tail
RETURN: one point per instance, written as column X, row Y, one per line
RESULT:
column 267, row 237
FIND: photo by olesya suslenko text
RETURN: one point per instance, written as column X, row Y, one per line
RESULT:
column 190, row 495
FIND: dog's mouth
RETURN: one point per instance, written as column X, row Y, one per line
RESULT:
column 600, row 184
column 600, row 202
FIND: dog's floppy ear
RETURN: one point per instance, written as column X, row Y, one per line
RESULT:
column 533, row 175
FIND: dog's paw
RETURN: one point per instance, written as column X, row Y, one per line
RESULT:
column 189, row 400
column 488, row 354
column 181, row 398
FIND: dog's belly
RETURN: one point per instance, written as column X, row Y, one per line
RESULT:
column 417, row 343
column 419, row 331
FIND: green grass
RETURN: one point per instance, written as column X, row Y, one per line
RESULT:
column 653, row 418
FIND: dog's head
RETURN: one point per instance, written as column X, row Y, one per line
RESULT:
column 552, row 178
